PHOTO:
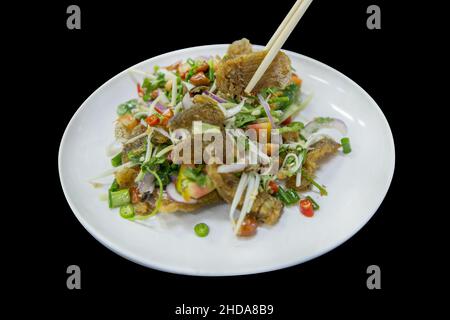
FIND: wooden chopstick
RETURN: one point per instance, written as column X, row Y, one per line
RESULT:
column 278, row 42
column 283, row 24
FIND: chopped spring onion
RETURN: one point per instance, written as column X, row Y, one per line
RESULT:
column 322, row 190
column 346, row 147
column 295, row 107
column 211, row 70
column 291, row 167
column 288, row 196
column 148, row 154
column 114, row 186
column 314, row 204
column 201, row 229
column 116, row 160
column 127, row 211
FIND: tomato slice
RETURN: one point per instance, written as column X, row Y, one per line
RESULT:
column 287, row 121
column 306, row 208
column 273, row 186
column 152, row 120
column 134, row 193
column 140, row 90
column 248, row 227
column 167, row 115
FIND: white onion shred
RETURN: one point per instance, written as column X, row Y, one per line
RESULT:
column 147, row 184
column 164, row 151
column 153, row 104
column 250, row 196
column 187, row 101
column 266, row 109
column 213, row 87
column 298, row 178
column 296, row 165
column 112, row 171
column 235, row 167
column 136, row 138
column 235, row 110
column 237, row 196
column 143, row 73
column 315, row 125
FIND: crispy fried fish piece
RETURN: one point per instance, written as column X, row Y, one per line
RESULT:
column 205, row 109
column 234, row 72
column 238, row 48
column 266, row 208
column 322, row 150
column 169, row 205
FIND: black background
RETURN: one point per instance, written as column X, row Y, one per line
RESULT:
column 115, row 36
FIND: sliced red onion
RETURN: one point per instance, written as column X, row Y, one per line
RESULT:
column 147, row 184
column 266, row 109
column 187, row 101
column 235, row 167
column 215, row 97
column 173, row 178
column 179, row 134
column 321, row 123
column 160, row 108
column 175, row 196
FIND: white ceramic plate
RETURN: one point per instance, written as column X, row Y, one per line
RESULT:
column 357, row 183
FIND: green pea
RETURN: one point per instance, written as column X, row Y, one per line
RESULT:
column 201, row 229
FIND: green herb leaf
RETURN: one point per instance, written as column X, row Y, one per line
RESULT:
column 295, row 126
column 243, row 118
column 126, row 107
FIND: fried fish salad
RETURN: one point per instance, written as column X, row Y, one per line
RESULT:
column 191, row 137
